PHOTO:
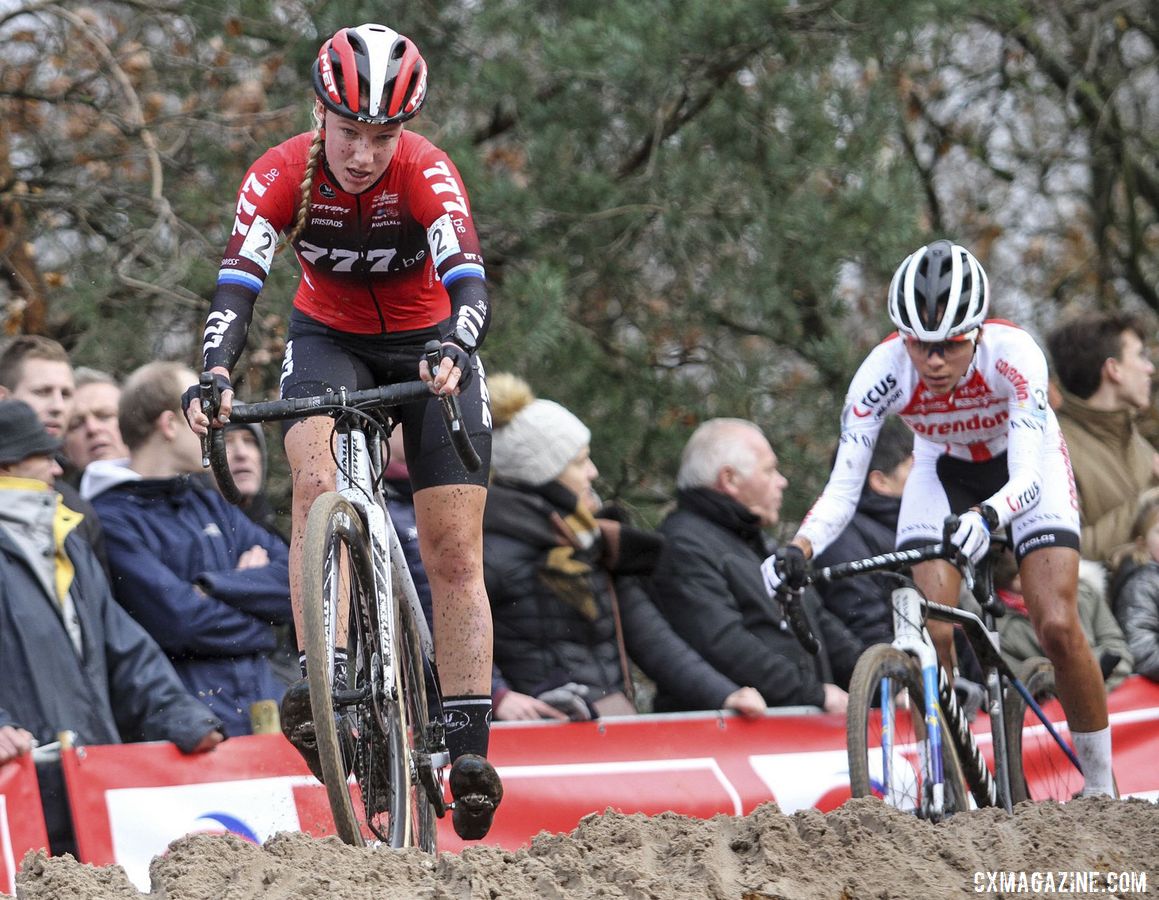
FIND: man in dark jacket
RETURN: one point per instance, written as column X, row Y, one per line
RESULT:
column 863, row 602
column 204, row 581
column 708, row 581
column 73, row 659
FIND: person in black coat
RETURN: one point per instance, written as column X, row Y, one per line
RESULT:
column 863, row 602
column 569, row 612
column 708, row 582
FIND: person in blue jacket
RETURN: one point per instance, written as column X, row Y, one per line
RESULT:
column 203, row 579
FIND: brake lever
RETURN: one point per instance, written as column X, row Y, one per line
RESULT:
column 957, row 558
column 210, row 400
column 791, row 602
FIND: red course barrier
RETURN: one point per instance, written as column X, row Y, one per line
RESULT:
column 130, row 801
column 21, row 818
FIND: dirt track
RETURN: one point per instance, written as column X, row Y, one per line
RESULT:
column 859, row 850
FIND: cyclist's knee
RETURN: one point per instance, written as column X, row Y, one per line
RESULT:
column 1061, row 637
column 446, row 565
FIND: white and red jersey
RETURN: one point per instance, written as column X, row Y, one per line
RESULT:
column 999, row 406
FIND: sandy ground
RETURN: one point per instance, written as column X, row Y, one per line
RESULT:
column 860, row 850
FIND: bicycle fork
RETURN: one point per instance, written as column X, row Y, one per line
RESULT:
column 941, row 700
column 910, row 637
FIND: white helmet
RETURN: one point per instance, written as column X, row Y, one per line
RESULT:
column 938, row 292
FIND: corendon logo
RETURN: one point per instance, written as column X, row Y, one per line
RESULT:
column 1017, row 379
column 976, row 422
column 874, row 395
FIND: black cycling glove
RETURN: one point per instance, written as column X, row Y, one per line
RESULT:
column 462, row 357
column 791, row 566
column 193, row 393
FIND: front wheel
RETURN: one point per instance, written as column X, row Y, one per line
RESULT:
column 886, row 736
column 1039, row 768
column 358, row 721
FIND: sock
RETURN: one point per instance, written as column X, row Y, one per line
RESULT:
column 467, row 719
column 1093, row 748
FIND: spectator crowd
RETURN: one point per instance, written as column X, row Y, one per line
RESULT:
column 138, row 605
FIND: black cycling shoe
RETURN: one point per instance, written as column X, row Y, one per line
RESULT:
column 477, row 791
column 298, row 727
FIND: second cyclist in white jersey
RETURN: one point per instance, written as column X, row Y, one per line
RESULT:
column 988, row 449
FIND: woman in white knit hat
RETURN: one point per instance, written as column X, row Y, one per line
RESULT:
column 567, row 607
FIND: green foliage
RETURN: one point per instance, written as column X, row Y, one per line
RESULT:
column 688, row 209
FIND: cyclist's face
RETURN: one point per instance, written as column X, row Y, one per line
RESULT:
column 941, row 365
column 358, row 153
column 578, row 476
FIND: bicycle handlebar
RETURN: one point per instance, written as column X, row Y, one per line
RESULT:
column 884, row 562
column 896, row 560
column 213, row 444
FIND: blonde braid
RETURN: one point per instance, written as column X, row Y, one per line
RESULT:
column 312, row 160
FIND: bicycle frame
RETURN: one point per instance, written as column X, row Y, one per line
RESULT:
column 910, row 611
column 355, row 482
column 941, row 699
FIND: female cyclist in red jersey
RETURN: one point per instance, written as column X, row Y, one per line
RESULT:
column 380, row 223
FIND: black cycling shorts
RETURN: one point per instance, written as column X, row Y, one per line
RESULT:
column 319, row 358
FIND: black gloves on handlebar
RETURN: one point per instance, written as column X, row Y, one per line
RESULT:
column 193, row 393
column 460, row 356
column 792, row 566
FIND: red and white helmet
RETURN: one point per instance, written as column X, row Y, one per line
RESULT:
column 938, row 292
column 371, row 73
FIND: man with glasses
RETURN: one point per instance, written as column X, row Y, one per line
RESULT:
column 989, row 450
column 1105, row 375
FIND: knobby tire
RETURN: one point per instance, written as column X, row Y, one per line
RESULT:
column 338, row 588
column 863, row 736
column 1039, row 770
